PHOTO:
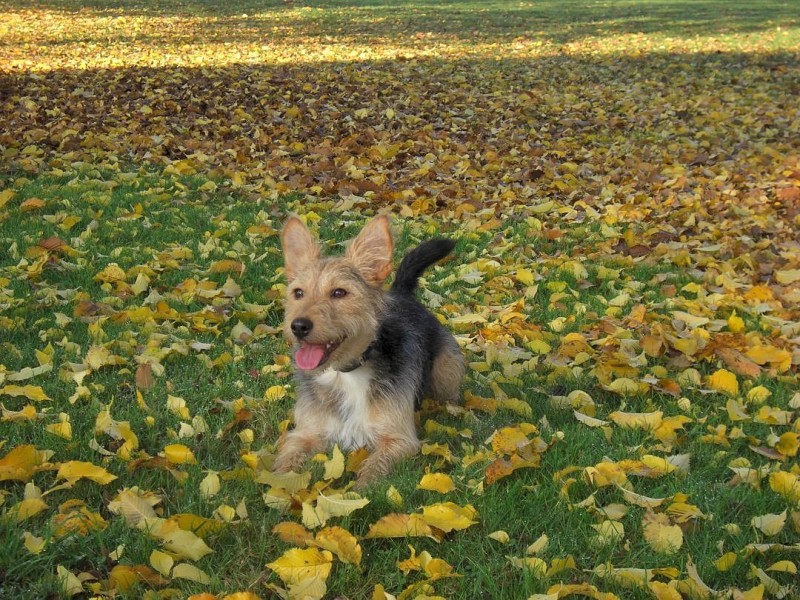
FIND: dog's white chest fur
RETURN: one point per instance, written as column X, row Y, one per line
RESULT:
column 351, row 390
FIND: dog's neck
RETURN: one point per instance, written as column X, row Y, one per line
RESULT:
column 359, row 362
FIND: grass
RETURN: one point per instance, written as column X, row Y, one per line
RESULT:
column 593, row 160
column 523, row 507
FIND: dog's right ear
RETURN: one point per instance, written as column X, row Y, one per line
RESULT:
column 299, row 246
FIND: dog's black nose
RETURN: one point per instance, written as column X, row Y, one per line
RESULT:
column 302, row 327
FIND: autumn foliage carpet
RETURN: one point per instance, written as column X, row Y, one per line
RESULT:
column 623, row 181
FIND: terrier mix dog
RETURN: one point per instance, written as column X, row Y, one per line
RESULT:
column 365, row 357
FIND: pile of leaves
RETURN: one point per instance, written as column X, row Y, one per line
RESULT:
column 625, row 288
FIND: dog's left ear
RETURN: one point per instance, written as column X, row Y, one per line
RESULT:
column 371, row 250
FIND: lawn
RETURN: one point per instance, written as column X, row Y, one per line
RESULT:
column 623, row 182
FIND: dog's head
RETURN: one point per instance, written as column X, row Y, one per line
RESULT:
column 333, row 305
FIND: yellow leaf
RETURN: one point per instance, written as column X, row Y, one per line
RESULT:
column 660, row 535
column 74, row 470
column 769, row 524
column 99, row 356
column 200, row 526
column 663, row 591
column 777, row 358
column 161, row 562
column 293, row 533
column 541, row 543
column 396, row 525
column 609, row 532
column 787, row 276
column 754, row 593
column 648, row 421
column 692, row 321
column 394, row 497
column 291, row 482
column 22, row 462
column 69, row 583
column 31, row 392
column 122, row 578
column 274, row 393
column 27, row 508
column 724, row 381
column 227, row 266
column 177, row 406
column 499, row 536
column 27, row 413
column 190, row 572
column 658, row 465
column 296, row 565
column 5, row 196
column 435, row 568
column 74, row 518
column 112, row 273
column 587, row 420
column 758, row 394
column 788, row 444
column 625, row 386
column 183, row 543
column 524, row 276
column 210, row 485
column 726, row 561
column 313, row 588
column 509, row 440
column 33, row 544
column 639, row 500
column 178, row 454
column 735, row 323
column 786, row 484
column 683, row 512
column 62, row 429
column 334, row 468
column 436, row 482
column 627, row 577
column 340, row 505
column 341, row 542
column 783, row 566
column 773, row 416
column 535, row 565
column 448, row 516
column 134, row 505
column 558, row 565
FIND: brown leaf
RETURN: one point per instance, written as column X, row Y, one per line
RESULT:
column 144, row 376
column 738, row 362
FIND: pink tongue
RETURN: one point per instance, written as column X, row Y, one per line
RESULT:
column 308, row 356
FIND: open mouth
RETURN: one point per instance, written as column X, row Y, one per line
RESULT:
column 310, row 356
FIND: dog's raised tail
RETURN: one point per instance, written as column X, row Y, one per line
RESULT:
column 415, row 262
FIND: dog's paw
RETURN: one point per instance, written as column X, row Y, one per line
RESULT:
column 286, row 462
column 370, row 472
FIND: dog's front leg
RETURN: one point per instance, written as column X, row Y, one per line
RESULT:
column 388, row 450
column 296, row 447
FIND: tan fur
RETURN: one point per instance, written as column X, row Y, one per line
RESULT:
column 448, row 371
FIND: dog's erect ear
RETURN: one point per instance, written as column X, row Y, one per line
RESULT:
column 371, row 250
column 299, row 246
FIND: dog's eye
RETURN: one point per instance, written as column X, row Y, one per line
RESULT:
column 297, row 293
column 338, row 293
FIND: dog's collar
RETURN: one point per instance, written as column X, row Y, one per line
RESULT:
column 357, row 363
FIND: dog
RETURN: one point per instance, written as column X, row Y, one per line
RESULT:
column 364, row 357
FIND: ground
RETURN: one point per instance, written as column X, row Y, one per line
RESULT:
column 623, row 182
